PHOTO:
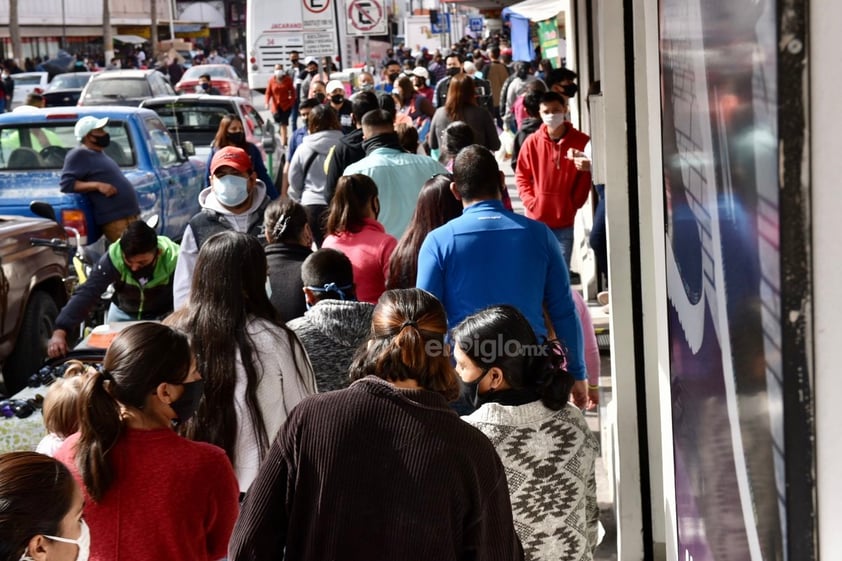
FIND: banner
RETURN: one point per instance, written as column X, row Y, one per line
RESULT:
column 548, row 39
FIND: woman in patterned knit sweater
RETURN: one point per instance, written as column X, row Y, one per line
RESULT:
column 544, row 442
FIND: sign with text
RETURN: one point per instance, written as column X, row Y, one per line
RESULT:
column 318, row 15
column 367, row 17
column 320, row 44
column 475, row 24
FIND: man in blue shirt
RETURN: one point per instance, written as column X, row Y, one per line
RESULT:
column 492, row 256
column 89, row 170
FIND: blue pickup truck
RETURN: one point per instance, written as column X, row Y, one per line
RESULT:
column 33, row 145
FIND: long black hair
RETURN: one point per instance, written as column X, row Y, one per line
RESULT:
column 501, row 336
column 228, row 291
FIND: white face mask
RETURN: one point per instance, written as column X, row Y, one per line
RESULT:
column 231, row 190
column 83, row 543
column 552, row 120
column 279, row 74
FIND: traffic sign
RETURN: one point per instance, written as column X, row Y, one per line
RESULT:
column 443, row 25
column 475, row 24
column 316, row 6
column 366, row 17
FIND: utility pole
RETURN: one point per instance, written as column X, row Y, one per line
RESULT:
column 14, row 32
column 107, row 38
column 153, row 37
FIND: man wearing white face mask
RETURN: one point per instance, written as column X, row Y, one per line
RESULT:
column 235, row 200
column 549, row 183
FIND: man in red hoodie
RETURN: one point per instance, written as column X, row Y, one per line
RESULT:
column 549, row 183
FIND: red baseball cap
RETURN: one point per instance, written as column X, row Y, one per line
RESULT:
column 231, row 156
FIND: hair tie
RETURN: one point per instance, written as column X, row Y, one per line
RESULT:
column 106, row 375
column 408, row 323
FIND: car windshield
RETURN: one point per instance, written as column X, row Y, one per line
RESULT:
column 194, row 72
column 118, row 88
column 194, row 122
column 68, row 81
column 44, row 146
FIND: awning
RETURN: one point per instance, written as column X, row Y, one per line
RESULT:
column 202, row 12
column 535, row 10
column 133, row 39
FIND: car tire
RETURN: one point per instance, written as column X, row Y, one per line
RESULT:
column 39, row 320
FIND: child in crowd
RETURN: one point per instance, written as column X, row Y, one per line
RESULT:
column 61, row 407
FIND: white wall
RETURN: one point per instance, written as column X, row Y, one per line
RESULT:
column 826, row 168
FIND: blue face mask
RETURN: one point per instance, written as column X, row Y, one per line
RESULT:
column 231, row 190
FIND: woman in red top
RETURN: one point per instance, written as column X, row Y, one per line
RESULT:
column 353, row 229
column 280, row 98
column 149, row 493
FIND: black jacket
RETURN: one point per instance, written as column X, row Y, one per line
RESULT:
column 284, row 261
column 348, row 150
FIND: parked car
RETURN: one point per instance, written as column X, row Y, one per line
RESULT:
column 223, row 77
column 27, row 83
column 124, row 87
column 196, row 117
column 64, row 89
column 32, row 151
column 32, row 291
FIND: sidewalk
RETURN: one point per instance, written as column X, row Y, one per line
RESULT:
column 607, row 550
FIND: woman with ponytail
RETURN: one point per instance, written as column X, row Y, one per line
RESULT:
column 522, row 391
column 149, row 493
column 353, row 229
column 290, row 241
column 394, row 472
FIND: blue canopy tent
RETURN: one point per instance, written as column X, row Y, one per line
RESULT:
column 519, row 15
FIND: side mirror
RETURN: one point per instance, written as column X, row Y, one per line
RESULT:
column 187, row 148
column 44, row 210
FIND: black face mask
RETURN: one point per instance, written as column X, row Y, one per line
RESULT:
column 145, row 273
column 523, row 74
column 472, row 390
column 337, row 99
column 393, row 76
column 312, row 72
column 236, row 137
column 102, row 141
column 320, row 97
column 453, row 71
column 570, row 90
column 204, row 85
column 187, row 405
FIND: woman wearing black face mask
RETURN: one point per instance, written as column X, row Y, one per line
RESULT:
column 231, row 132
column 340, row 105
column 141, row 479
column 522, row 391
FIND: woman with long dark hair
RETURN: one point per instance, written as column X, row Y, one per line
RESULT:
column 394, row 471
column 40, row 510
column 255, row 369
column 522, row 391
column 436, row 206
column 232, row 132
column 149, row 493
column 353, row 229
column 461, row 105
column 290, row 240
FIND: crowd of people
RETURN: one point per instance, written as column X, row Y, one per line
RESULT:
column 380, row 359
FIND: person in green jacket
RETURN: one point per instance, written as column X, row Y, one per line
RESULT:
column 141, row 267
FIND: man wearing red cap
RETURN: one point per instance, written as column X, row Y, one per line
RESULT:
column 235, row 200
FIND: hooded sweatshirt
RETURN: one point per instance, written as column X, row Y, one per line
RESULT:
column 550, row 186
column 251, row 220
column 310, row 189
column 331, row 331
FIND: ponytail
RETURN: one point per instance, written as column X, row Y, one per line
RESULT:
column 348, row 205
column 99, row 427
column 546, row 373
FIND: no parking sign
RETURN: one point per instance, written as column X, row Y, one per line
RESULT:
column 366, row 17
